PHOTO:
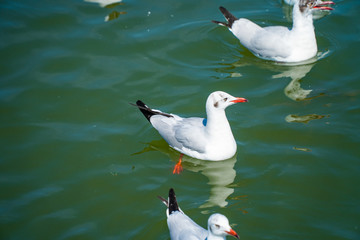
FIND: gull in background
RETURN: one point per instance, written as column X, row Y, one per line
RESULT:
column 278, row 43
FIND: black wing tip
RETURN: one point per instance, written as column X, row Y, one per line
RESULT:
column 171, row 192
column 140, row 103
column 229, row 17
column 148, row 112
column 173, row 205
column 144, row 109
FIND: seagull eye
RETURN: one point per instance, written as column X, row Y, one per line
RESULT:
column 217, row 225
column 225, row 99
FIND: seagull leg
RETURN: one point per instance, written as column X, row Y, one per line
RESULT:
column 178, row 168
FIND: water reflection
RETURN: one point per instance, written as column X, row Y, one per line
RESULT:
column 109, row 4
column 303, row 119
column 302, row 149
column 293, row 90
column 220, row 173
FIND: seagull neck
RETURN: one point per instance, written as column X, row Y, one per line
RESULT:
column 301, row 20
column 217, row 121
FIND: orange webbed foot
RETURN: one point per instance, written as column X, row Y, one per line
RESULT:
column 178, row 167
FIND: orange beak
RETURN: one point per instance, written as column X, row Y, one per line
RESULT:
column 237, row 100
column 233, row 233
column 322, row 6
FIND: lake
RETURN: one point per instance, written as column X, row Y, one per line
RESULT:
column 79, row 162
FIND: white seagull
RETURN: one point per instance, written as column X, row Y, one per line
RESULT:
column 181, row 227
column 203, row 138
column 278, row 43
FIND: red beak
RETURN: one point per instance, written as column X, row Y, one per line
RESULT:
column 237, row 100
column 233, row 233
column 322, row 6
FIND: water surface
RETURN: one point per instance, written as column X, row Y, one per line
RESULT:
column 79, row 162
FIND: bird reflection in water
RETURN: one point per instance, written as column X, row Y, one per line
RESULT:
column 303, row 119
column 295, row 71
column 293, row 90
column 221, row 174
column 109, row 4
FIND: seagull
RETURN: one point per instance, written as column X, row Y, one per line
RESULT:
column 203, row 138
column 278, row 43
column 182, row 227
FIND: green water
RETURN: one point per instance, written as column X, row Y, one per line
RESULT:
column 79, row 162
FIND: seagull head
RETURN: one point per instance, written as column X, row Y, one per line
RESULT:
column 221, row 100
column 219, row 226
column 309, row 5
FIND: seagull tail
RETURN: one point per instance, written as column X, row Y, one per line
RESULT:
column 145, row 109
column 229, row 18
column 148, row 112
column 172, row 203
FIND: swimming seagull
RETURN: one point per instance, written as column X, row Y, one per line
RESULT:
column 182, row 227
column 203, row 138
column 278, row 43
